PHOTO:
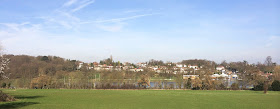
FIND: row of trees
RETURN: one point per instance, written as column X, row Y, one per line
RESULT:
column 55, row 72
column 4, row 62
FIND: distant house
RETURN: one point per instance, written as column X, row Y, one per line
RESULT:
column 220, row 68
column 234, row 76
column 99, row 65
column 220, row 75
column 142, row 64
column 110, row 67
column 90, row 68
column 106, row 68
column 139, row 70
column 215, row 75
column 158, row 70
column 80, row 65
column 136, row 70
column 97, row 68
column 229, row 72
column 193, row 66
column 168, row 71
column 95, row 64
column 163, row 67
column 190, row 76
column 180, row 65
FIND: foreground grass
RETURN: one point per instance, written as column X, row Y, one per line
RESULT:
column 159, row 99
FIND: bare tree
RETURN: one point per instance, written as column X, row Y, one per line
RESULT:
column 269, row 65
column 3, row 66
column 268, row 61
column 179, row 80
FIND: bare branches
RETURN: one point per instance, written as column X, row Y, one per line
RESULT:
column 3, row 66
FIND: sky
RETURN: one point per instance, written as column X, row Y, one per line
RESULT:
column 140, row 30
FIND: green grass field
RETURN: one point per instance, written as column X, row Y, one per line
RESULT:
column 141, row 99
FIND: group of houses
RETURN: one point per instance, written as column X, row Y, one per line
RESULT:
column 188, row 71
column 177, row 68
column 223, row 74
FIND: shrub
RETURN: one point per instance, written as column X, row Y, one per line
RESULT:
column 275, row 85
column 221, row 87
column 196, row 88
column 259, row 87
column 4, row 97
column 234, row 86
column 9, row 85
column 3, row 85
column 171, row 86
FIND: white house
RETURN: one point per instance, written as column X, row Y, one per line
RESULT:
column 234, row 76
column 80, row 65
column 90, row 68
column 110, row 67
column 132, row 70
column 179, row 65
column 136, row 70
column 142, row 64
column 193, row 66
column 139, row 70
column 97, row 68
column 220, row 75
column 220, row 68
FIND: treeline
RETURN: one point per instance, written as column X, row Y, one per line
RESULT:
column 23, row 68
column 55, row 72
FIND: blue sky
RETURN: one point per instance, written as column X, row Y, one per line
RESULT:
column 139, row 30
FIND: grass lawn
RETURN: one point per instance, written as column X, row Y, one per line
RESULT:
column 142, row 99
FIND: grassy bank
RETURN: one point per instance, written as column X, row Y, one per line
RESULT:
column 70, row 98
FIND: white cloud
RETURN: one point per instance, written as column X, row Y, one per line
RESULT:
column 69, row 3
column 38, row 39
column 22, row 38
column 82, row 5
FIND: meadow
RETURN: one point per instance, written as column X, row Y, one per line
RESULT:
column 141, row 99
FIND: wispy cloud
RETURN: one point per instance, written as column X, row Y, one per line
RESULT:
column 118, row 19
column 69, row 3
column 115, row 24
column 63, row 16
column 82, row 5
column 137, row 11
column 61, row 20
